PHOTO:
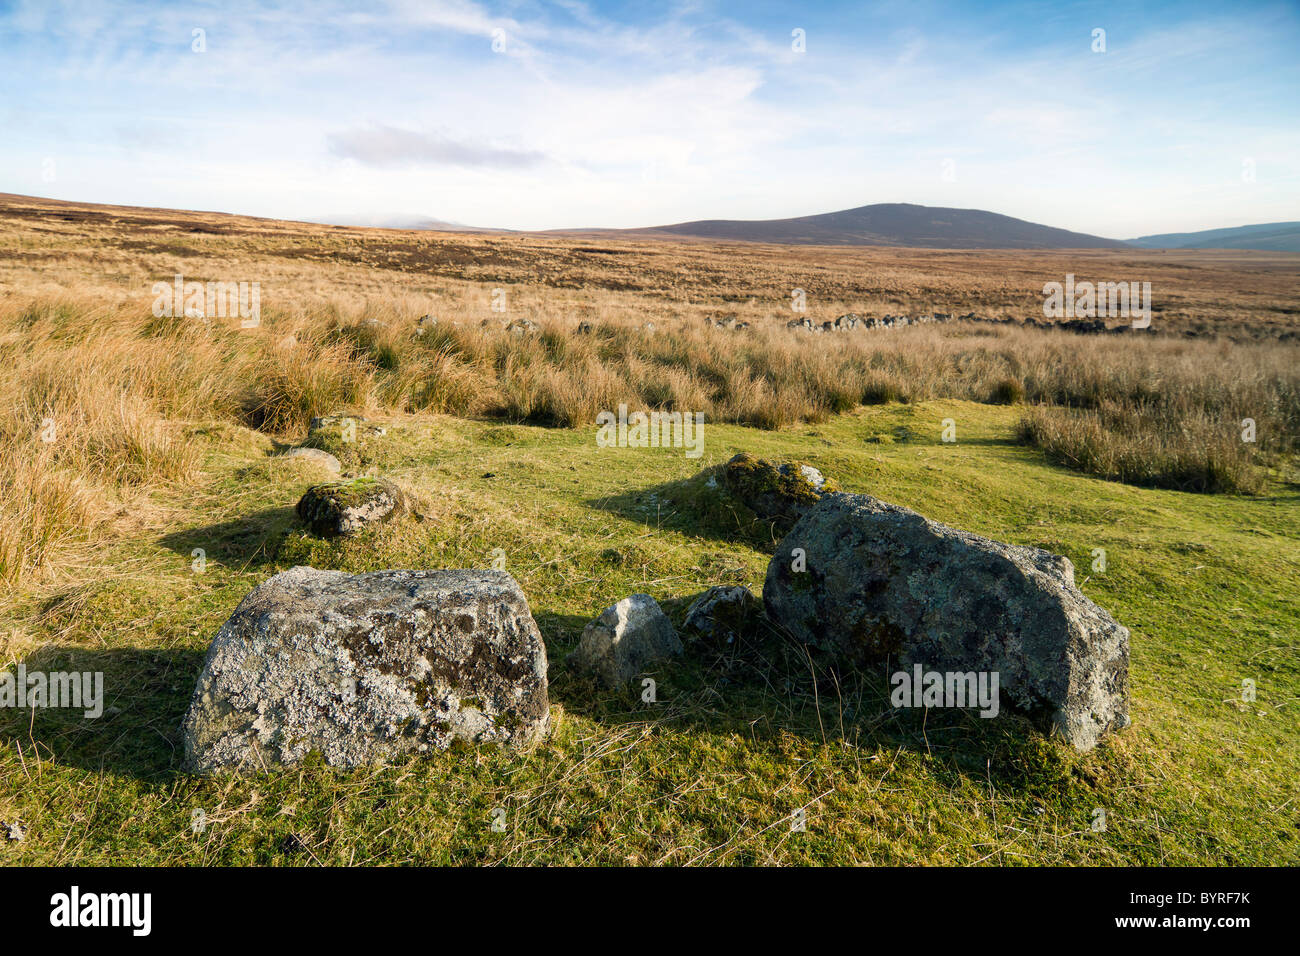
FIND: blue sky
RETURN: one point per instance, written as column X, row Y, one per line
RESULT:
column 548, row 115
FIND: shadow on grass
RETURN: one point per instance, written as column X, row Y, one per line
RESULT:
column 687, row 509
column 238, row 544
column 145, row 694
column 761, row 685
column 764, row 685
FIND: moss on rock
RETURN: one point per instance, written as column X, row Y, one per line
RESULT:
column 344, row 507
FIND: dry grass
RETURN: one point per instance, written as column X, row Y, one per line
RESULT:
column 1143, row 446
column 126, row 391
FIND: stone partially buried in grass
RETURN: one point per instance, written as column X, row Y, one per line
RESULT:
column 872, row 582
column 345, row 425
column 625, row 639
column 345, row 507
column 349, row 438
column 751, row 497
column 780, row 493
column 723, row 615
column 363, row 668
column 315, row 456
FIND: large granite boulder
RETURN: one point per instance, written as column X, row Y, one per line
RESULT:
column 626, row 638
column 364, row 667
column 870, row 581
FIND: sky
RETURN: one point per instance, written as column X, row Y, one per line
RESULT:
column 528, row 115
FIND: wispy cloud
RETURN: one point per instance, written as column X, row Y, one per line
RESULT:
column 532, row 115
column 387, row 146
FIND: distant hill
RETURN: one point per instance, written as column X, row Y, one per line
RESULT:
column 402, row 222
column 883, row 224
column 1273, row 236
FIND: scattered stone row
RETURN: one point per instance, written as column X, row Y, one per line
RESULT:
column 1077, row 326
column 851, row 321
column 725, row 322
column 361, row 668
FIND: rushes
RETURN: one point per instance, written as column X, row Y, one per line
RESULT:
column 1146, row 446
column 81, row 421
column 43, row 507
column 125, row 389
column 286, row 386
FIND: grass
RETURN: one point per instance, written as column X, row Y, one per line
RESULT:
column 117, row 385
column 1141, row 446
column 142, row 496
column 712, row 772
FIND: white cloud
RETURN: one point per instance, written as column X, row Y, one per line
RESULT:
column 584, row 120
column 387, row 146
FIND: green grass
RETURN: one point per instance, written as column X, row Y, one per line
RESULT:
column 711, row 772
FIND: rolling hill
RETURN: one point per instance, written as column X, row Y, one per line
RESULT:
column 883, row 224
column 1271, row 236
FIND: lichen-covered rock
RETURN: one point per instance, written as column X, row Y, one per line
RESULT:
column 345, row 507
column 627, row 637
column 721, row 615
column 808, row 473
column 780, row 494
column 881, row 582
column 366, row 667
column 746, row 498
column 317, row 457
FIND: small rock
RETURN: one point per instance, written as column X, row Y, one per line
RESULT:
column 339, row 422
column 345, row 507
column 722, row 614
column 315, row 456
column 626, row 637
column 780, row 494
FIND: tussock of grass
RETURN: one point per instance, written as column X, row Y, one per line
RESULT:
column 118, row 383
column 1143, row 446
